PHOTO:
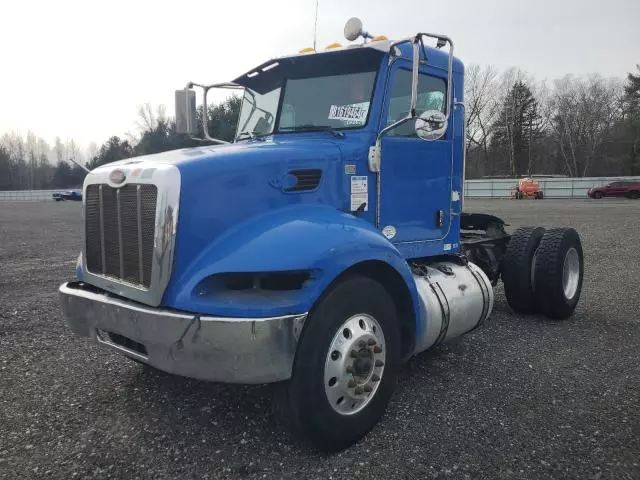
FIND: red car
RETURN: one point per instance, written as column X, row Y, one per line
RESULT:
column 629, row 189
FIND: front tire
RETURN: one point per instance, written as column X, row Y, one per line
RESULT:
column 346, row 366
column 559, row 271
column 597, row 195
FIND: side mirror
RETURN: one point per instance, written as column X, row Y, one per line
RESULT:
column 186, row 112
column 431, row 125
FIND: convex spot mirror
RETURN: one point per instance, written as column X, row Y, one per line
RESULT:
column 431, row 125
column 353, row 29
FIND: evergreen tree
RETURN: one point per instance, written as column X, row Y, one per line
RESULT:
column 517, row 127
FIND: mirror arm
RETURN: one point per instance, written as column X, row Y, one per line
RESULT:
column 205, row 118
column 446, row 39
column 414, row 86
column 205, row 111
column 414, row 76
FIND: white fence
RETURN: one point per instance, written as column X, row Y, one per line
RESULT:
column 564, row 187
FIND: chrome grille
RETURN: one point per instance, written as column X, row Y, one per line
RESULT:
column 119, row 229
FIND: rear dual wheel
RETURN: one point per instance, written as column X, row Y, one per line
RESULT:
column 542, row 271
column 559, row 270
column 346, row 366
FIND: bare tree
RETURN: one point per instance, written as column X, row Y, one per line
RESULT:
column 582, row 112
column 72, row 152
column 58, row 149
column 480, row 100
column 32, row 158
column 148, row 119
column 92, row 151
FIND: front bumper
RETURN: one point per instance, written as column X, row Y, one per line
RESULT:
column 232, row 350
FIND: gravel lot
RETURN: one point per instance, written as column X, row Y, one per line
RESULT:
column 518, row 398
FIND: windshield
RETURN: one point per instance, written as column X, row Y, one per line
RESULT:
column 337, row 101
column 308, row 93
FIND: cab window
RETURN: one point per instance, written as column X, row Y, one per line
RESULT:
column 431, row 96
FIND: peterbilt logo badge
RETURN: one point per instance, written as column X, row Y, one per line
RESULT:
column 117, row 176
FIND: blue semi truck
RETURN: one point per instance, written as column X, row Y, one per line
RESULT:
column 318, row 251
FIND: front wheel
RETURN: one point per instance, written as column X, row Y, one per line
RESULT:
column 597, row 195
column 346, row 366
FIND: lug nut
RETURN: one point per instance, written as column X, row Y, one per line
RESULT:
column 377, row 349
column 354, row 354
column 361, row 344
column 358, row 391
column 375, row 378
column 351, row 384
column 350, row 369
column 368, row 388
column 371, row 342
column 379, row 363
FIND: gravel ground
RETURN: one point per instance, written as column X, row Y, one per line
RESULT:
column 518, row 398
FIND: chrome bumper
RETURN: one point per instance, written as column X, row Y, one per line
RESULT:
column 233, row 350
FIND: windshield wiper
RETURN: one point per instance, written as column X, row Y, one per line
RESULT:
column 252, row 135
column 315, row 128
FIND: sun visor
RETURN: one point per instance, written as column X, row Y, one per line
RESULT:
column 271, row 74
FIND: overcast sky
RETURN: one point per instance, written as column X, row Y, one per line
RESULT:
column 79, row 69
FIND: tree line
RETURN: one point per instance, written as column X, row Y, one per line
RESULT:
column 515, row 125
column 577, row 126
column 25, row 162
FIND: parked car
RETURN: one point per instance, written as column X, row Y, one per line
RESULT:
column 629, row 189
column 69, row 195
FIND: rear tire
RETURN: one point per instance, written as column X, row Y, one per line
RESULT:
column 517, row 267
column 323, row 372
column 634, row 195
column 559, row 271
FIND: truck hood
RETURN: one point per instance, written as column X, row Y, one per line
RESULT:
column 251, row 151
column 224, row 187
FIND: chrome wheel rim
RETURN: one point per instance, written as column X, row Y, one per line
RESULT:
column 355, row 364
column 571, row 273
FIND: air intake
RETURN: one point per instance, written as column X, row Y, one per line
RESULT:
column 305, row 180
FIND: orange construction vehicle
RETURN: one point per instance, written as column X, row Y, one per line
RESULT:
column 527, row 188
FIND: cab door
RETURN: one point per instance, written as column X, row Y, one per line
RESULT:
column 415, row 175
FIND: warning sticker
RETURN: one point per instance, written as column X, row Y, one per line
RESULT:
column 359, row 193
column 359, row 184
column 354, row 113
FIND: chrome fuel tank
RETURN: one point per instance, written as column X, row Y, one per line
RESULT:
column 455, row 299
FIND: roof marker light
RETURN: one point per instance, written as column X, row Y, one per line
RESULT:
column 307, row 50
column 334, row 45
column 379, row 38
column 269, row 67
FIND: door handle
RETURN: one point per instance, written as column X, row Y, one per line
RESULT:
column 439, row 218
